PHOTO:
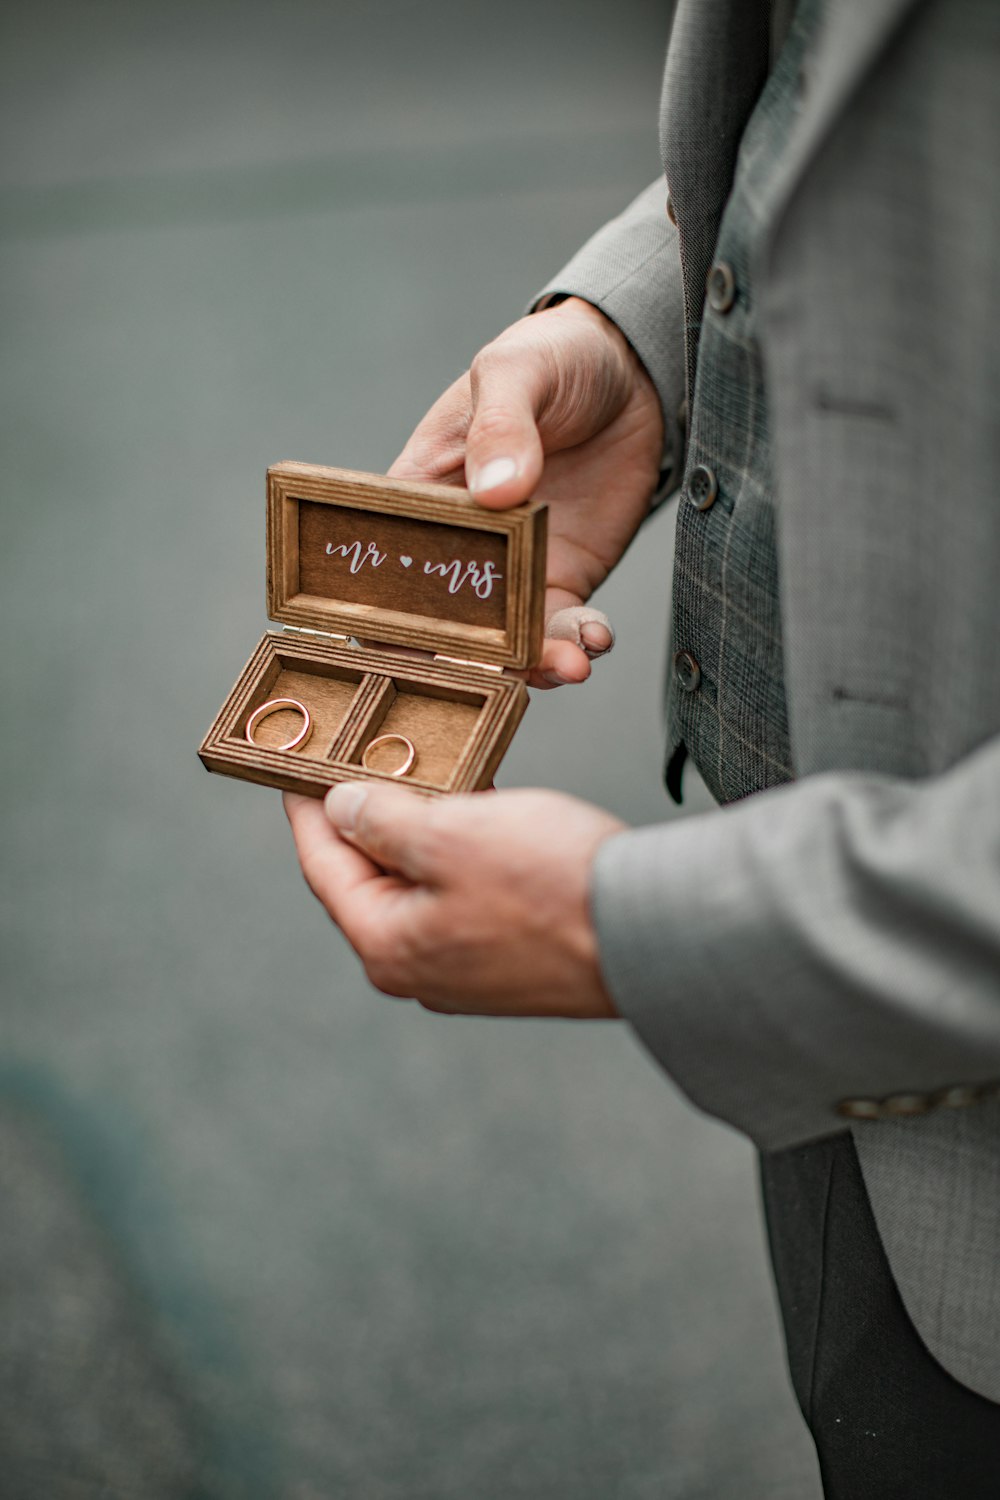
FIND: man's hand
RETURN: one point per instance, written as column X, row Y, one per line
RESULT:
column 560, row 409
column 474, row 905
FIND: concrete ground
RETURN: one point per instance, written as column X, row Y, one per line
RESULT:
column 266, row 1233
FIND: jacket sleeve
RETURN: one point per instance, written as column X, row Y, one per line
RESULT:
column 631, row 270
column 824, row 951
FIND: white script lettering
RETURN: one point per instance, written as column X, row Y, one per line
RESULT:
column 480, row 579
column 358, row 558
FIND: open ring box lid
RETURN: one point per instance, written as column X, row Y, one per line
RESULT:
column 455, row 592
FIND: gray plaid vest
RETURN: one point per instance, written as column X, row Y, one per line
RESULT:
column 726, row 697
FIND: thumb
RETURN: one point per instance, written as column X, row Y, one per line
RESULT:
column 391, row 825
column 503, row 449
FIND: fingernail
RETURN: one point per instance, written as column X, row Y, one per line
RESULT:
column 556, row 679
column 493, row 474
column 597, row 637
column 344, row 803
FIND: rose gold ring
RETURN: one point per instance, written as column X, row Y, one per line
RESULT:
column 272, row 708
column 384, row 739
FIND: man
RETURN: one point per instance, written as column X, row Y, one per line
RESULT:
column 802, row 338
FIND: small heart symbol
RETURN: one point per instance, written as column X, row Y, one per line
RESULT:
column 406, row 561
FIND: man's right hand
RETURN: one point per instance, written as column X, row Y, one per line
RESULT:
column 560, row 409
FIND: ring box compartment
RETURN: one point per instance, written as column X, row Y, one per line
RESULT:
column 420, row 567
column 442, row 719
column 329, row 689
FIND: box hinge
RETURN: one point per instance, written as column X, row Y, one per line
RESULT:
column 463, row 661
column 328, row 635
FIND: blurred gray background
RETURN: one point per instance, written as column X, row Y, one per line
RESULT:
column 264, row 1233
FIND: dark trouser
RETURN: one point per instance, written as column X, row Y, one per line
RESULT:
column 888, row 1422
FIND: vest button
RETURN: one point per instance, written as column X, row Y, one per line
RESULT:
column 687, row 671
column 702, row 487
column 721, row 287
column 671, row 211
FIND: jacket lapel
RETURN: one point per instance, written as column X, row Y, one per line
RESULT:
column 716, row 67
column 852, row 35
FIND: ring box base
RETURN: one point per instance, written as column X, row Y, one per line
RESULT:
column 460, row 719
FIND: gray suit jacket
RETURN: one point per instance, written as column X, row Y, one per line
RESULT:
column 839, row 939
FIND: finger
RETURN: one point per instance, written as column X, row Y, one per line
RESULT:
column 503, row 449
column 585, row 626
column 562, row 665
column 392, row 826
column 573, row 633
column 334, row 870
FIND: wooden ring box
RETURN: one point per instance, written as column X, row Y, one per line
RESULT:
column 414, row 566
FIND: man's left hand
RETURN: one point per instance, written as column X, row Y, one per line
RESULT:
column 476, row 904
